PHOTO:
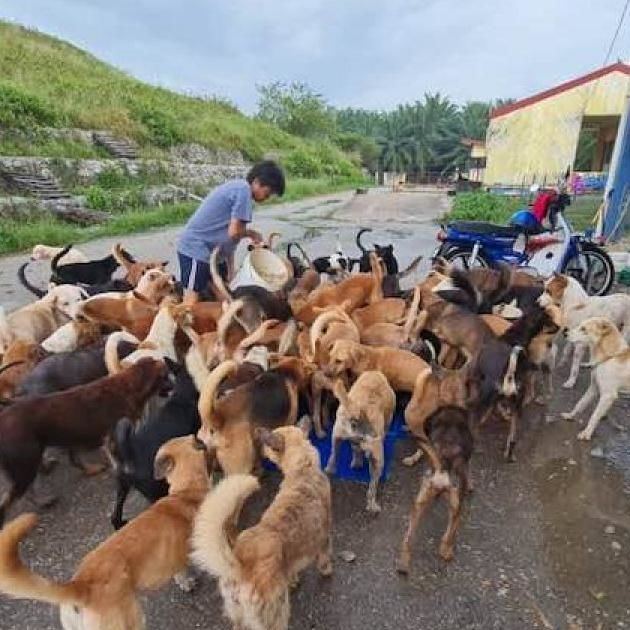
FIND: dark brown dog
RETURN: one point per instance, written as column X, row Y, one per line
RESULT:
column 448, row 447
column 79, row 418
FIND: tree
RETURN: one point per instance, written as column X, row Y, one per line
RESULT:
column 396, row 144
column 366, row 148
column 296, row 108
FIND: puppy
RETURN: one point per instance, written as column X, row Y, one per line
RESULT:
column 257, row 566
column 610, row 355
column 29, row 426
column 576, row 307
column 46, row 252
column 400, row 367
column 448, row 446
column 144, row 555
column 363, row 417
column 36, row 321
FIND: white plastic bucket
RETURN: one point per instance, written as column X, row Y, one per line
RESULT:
column 262, row 268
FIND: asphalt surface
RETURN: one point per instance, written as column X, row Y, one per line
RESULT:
column 544, row 542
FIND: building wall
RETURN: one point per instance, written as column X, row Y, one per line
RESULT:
column 539, row 140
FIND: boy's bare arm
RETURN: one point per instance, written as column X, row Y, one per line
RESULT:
column 238, row 229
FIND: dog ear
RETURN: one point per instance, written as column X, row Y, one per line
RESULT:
column 163, row 466
column 272, row 440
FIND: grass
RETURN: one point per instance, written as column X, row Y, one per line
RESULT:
column 48, row 82
column 50, row 148
column 16, row 236
column 582, row 211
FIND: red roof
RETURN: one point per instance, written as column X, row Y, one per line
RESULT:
column 563, row 87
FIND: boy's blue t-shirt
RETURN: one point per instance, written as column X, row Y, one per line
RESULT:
column 208, row 226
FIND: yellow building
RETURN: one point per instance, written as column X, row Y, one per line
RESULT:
column 535, row 139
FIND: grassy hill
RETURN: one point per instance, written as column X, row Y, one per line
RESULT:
column 48, row 82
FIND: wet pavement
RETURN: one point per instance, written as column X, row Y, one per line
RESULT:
column 544, row 542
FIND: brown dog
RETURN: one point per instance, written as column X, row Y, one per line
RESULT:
column 143, row 555
column 78, row 418
column 17, row 362
column 256, row 567
column 135, row 270
column 363, row 417
column 400, row 367
column 228, row 422
column 448, row 446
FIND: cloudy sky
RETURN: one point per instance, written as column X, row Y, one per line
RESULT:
column 360, row 53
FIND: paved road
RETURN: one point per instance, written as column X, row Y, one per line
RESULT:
column 533, row 550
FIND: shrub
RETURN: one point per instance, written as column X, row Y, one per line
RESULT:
column 303, row 163
column 21, row 109
column 161, row 126
column 481, row 206
column 113, row 177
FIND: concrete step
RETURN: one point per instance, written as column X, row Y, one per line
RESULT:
column 117, row 147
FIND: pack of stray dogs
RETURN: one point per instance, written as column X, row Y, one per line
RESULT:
column 177, row 394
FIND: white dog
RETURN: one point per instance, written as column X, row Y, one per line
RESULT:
column 46, row 252
column 611, row 369
column 577, row 306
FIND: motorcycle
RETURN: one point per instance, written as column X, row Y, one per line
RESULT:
column 540, row 251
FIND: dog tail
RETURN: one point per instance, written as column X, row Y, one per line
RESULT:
column 504, row 285
column 412, row 315
column 211, row 547
column 5, row 330
column 17, row 580
column 54, row 263
column 288, row 337
column 112, row 360
column 121, row 256
column 509, row 386
column 21, row 273
column 411, row 268
column 225, row 320
column 222, row 291
column 461, row 281
column 357, row 239
column 301, row 249
column 208, row 392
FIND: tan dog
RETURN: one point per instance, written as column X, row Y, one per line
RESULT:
column 610, row 355
column 40, row 319
column 357, row 290
column 134, row 271
column 46, row 252
column 17, row 362
column 77, row 333
column 159, row 344
column 400, row 367
column 143, row 555
column 257, row 566
column 363, row 417
column 388, row 310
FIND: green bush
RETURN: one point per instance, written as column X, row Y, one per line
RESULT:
column 161, row 126
column 303, row 163
column 21, row 109
column 116, row 200
column 113, row 177
column 481, row 206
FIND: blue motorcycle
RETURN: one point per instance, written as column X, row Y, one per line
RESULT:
column 528, row 245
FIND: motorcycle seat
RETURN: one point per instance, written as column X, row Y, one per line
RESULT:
column 481, row 227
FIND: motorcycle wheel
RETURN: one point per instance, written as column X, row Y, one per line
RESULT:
column 593, row 269
column 460, row 258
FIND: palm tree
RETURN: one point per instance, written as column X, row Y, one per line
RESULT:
column 396, row 143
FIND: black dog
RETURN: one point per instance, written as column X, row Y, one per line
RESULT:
column 90, row 289
column 135, row 447
column 92, row 272
column 384, row 252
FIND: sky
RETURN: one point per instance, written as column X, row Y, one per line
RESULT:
column 357, row 53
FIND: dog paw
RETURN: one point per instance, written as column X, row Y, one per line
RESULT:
column 568, row 384
column 373, row 507
column 403, row 562
column 584, row 436
column 567, row 416
column 540, row 400
column 446, row 552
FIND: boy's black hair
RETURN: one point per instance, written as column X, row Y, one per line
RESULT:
column 269, row 174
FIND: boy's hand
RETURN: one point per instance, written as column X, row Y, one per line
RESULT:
column 255, row 236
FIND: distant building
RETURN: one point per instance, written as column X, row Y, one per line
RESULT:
column 477, row 160
column 536, row 139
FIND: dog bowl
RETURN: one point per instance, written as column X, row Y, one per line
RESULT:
column 263, row 268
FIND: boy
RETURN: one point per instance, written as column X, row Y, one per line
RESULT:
column 222, row 219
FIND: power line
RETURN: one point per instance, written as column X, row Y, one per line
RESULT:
column 614, row 39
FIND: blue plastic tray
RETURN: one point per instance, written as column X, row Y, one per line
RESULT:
column 397, row 430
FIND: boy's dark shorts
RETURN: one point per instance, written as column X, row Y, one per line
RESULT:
column 195, row 274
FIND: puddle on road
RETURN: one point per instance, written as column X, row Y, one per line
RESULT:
column 586, row 531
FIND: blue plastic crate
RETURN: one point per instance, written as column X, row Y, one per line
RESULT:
column 397, row 430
